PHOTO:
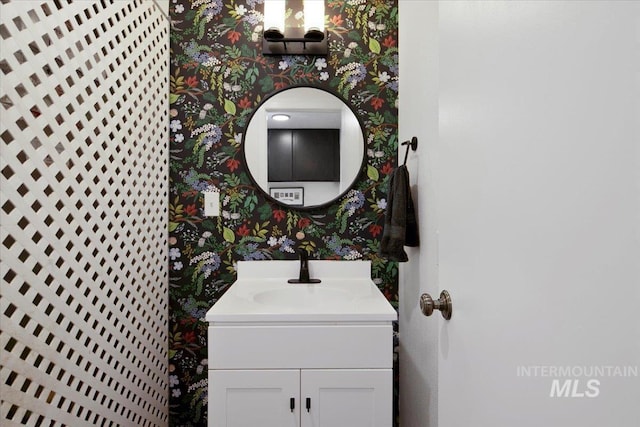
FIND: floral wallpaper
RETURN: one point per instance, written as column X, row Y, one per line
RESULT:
column 218, row 78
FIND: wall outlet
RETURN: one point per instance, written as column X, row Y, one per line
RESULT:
column 211, row 203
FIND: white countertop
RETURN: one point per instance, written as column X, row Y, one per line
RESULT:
column 261, row 294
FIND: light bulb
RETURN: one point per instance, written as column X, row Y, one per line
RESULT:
column 274, row 11
column 313, row 15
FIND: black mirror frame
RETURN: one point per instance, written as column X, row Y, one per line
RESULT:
column 360, row 173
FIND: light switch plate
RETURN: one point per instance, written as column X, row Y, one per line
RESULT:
column 211, row 203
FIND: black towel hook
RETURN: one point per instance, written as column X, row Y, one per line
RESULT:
column 414, row 146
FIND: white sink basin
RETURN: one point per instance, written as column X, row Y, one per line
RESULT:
column 300, row 295
column 262, row 294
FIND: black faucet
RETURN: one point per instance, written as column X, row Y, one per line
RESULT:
column 304, row 269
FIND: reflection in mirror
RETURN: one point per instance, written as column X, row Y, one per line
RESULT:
column 304, row 147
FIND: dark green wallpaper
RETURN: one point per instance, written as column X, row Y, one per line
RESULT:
column 218, row 78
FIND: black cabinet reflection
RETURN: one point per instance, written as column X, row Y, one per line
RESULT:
column 303, row 155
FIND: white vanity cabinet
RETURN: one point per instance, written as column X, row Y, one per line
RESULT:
column 283, row 355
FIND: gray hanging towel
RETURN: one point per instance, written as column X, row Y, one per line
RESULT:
column 400, row 222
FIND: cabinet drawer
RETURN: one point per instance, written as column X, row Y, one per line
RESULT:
column 304, row 346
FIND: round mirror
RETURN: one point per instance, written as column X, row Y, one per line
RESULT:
column 304, row 147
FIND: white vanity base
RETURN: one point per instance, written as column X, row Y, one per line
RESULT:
column 343, row 372
column 324, row 365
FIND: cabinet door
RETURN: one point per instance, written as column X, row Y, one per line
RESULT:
column 279, row 157
column 346, row 398
column 239, row 398
column 316, row 155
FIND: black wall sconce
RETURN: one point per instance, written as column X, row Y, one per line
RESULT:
column 278, row 39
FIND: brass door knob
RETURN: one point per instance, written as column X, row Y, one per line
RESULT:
column 427, row 304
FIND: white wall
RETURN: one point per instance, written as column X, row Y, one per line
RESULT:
column 351, row 148
column 418, row 116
